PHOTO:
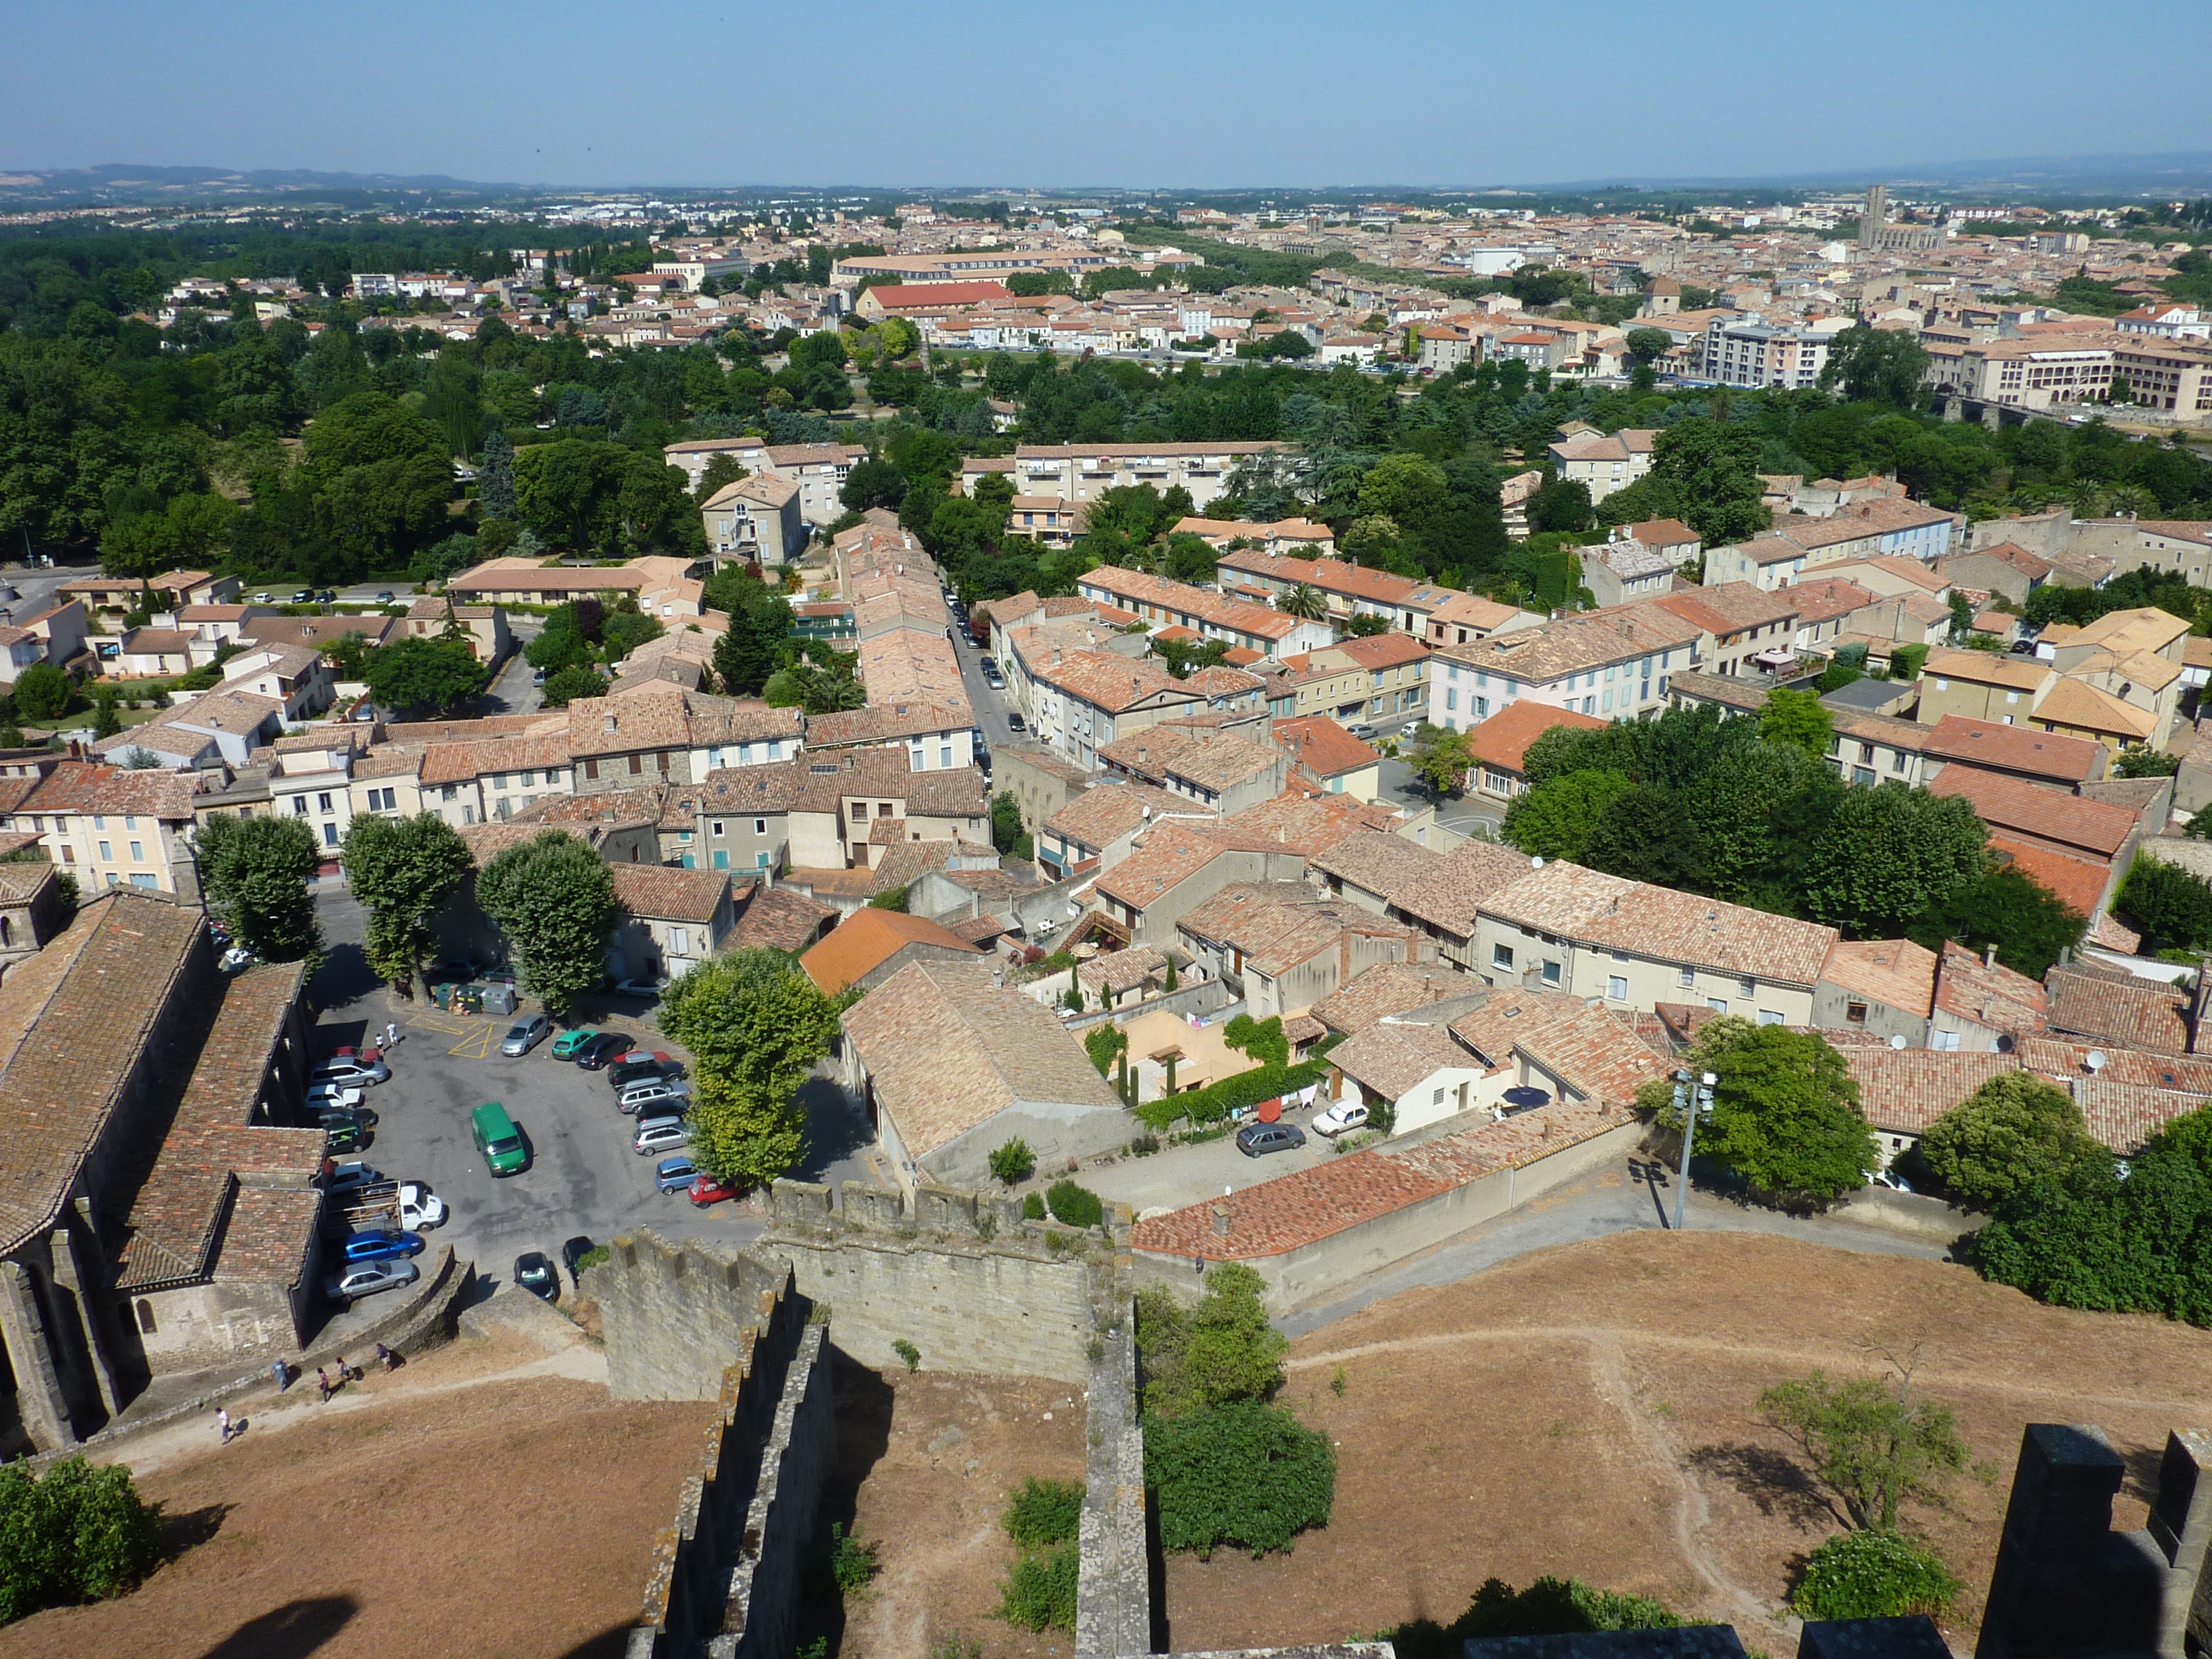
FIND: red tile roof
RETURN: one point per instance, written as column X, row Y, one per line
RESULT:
column 1502, row 740
column 1322, row 747
column 866, row 940
column 2016, row 749
column 2095, row 828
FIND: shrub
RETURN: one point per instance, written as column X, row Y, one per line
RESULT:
column 82, row 1533
column 1221, row 1349
column 852, row 1563
column 44, row 691
column 1012, row 1161
column 1103, row 1043
column 1044, row 1512
column 1246, row 1473
column 1262, row 1039
column 1550, row 1607
column 1874, row 1574
column 1074, row 1206
column 591, row 1258
column 1232, row 1093
column 906, row 1351
column 1039, row 1594
column 1033, row 1207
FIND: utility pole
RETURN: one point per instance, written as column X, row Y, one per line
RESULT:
column 1692, row 1109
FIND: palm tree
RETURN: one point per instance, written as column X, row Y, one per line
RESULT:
column 2133, row 500
column 1304, row 600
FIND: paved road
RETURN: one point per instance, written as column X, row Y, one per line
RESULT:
column 1459, row 812
column 512, row 691
column 1178, row 1176
column 1612, row 1200
column 991, row 707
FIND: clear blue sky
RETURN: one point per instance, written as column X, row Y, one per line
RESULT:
column 1206, row 92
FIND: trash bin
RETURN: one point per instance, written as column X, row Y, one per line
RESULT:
column 499, row 1000
column 442, row 995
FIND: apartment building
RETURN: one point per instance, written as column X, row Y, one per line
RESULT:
column 113, row 827
column 2169, row 374
column 848, row 810
column 1748, row 629
column 1239, row 622
column 1631, row 946
column 489, row 780
column 1102, row 822
column 757, row 520
column 1377, row 680
column 1351, row 590
column 1600, row 662
column 1602, row 464
column 1083, row 473
column 2117, row 681
column 1219, row 771
column 2029, row 374
column 1887, row 529
column 1465, row 617
column 818, row 469
column 1759, row 353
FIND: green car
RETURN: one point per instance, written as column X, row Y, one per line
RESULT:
column 565, row 1045
column 498, row 1140
column 343, row 1137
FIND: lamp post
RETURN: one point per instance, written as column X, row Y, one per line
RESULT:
column 1701, row 1106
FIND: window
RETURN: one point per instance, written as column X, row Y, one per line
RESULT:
column 145, row 1318
column 1945, row 1041
column 1437, row 1099
column 137, row 852
column 130, row 820
column 684, row 836
column 329, row 835
column 760, row 827
column 1551, row 973
column 1718, row 1004
column 299, row 806
column 1501, row 956
column 98, row 822
column 686, row 862
column 760, row 861
column 1748, row 986
column 1855, row 1014
column 1616, row 988
column 1452, row 699
column 146, row 882
column 591, row 769
column 1770, row 1017
column 636, row 765
column 1689, row 978
column 322, row 803
column 721, row 858
column 104, row 853
column 1862, row 774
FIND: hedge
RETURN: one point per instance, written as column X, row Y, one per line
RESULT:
column 1216, row 1100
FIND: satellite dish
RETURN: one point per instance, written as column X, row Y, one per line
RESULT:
column 1897, row 1042
column 2096, row 1060
column 1536, row 864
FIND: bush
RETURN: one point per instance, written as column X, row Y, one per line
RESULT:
column 1039, row 1594
column 590, row 1259
column 1033, row 1207
column 80, row 1535
column 1220, row 1350
column 1246, row 1473
column 852, row 1563
column 2015, row 1130
column 1044, row 1512
column 1104, row 1043
column 1012, row 1161
column 1550, row 1607
column 43, row 692
column 1076, row 1206
column 1233, row 1093
column 906, row 1351
column 1874, row 1574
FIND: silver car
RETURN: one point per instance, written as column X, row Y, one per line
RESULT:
column 368, row 1278
column 660, row 1134
column 526, row 1034
column 649, row 1100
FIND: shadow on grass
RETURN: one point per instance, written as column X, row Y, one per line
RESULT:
column 1774, row 1481
column 291, row 1632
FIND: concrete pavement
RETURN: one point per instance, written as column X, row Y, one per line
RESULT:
column 1399, row 785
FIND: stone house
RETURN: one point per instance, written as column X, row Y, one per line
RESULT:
column 671, row 920
column 1284, row 945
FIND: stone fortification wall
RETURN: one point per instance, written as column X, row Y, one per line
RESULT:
column 760, row 1618
column 1114, row 1587
column 677, row 1317
column 959, row 1275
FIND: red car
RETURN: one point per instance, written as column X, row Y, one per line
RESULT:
column 711, row 1189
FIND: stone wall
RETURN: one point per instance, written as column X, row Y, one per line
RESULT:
column 760, row 1619
column 677, row 1317
column 1114, row 1588
column 959, row 1275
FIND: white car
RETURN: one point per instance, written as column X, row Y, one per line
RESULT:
column 654, row 1099
column 321, row 1097
column 1341, row 1119
column 637, row 987
column 350, row 1177
column 419, row 1207
column 661, row 1134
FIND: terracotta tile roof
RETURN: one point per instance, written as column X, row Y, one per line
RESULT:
column 1223, row 762
column 1904, row 1089
column 1502, row 740
column 1894, row 972
column 1274, row 1217
column 455, row 762
column 1659, row 532
column 1109, row 682
column 1277, row 925
column 1577, row 644
column 779, row 918
column 946, row 1050
column 1386, row 988
column 2016, row 749
column 1443, row 888
column 1593, row 1051
column 1988, row 992
column 2141, row 1013
column 1307, row 822
column 2066, row 1060
column 2079, row 882
column 2094, row 828
column 1394, row 1059
column 2079, row 704
column 665, row 893
column 1322, row 747
column 1164, row 856
column 81, row 787
column 885, row 724
column 1731, row 607
column 866, row 940
column 1826, row 598
column 2000, row 668
column 1330, row 575
column 1108, row 811
column 1116, row 971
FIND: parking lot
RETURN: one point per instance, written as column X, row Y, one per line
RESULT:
column 582, row 1178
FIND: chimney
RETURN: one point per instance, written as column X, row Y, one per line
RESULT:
column 1990, row 959
column 1221, row 1221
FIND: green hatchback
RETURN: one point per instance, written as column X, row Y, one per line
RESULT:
column 498, row 1140
column 565, row 1045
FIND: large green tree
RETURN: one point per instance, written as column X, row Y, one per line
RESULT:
column 1877, row 365
column 2006, row 907
column 418, row 674
column 1785, row 1111
column 755, row 1024
column 1556, row 819
column 403, row 872
column 381, row 477
column 600, row 498
column 2015, row 1130
column 255, row 872
column 554, row 899
column 1704, row 472
column 1887, row 854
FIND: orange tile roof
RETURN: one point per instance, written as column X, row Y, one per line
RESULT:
column 1502, row 740
column 866, row 940
column 2016, row 749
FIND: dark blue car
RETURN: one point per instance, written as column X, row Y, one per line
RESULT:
column 595, row 1055
column 382, row 1244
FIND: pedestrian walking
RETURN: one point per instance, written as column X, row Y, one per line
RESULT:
column 282, row 1373
column 390, row 1033
column 385, row 1357
column 323, row 1385
column 222, row 1422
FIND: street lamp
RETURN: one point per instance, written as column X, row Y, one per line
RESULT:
column 1692, row 1111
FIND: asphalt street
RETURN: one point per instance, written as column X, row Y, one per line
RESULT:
column 991, row 707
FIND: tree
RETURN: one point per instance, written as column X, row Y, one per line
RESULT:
column 1244, row 1473
column 756, row 1024
column 719, row 474
column 495, row 477
column 1563, row 504
column 1704, row 472
column 1305, row 601
column 1649, row 345
column 1877, row 365
column 2013, row 1130
column 44, row 691
column 402, row 871
column 1870, row 1440
column 1012, row 1161
column 1440, row 759
column 1785, row 1111
column 872, row 483
column 1555, row 820
column 565, row 685
column 255, row 872
column 1887, row 854
column 79, row 1533
column 419, row 673
column 1006, row 821
column 555, row 900
column 2173, row 907
column 1797, row 717
column 105, row 721
column 1220, row 1349
column 2006, row 907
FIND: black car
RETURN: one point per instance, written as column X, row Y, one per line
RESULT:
column 457, row 972
column 600, row 1049
column 536, row 1274
column 1014, row 723
column 328, row 596
column 574, row 1251
column 641, row 1071
column 1258, row 1140
column 329, row 1117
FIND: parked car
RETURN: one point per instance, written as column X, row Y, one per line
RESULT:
column 601, row 1050
column 1341, row 1119
column 1014, row 723
column 1889, row 1178
column 1409, row 728
column 643, row 1099
column 329, row 1117
column 566, row 1045
column 235, row 960
column 637, row 987
column 660, row 1134
column 349, row 1176
column 575, row 1251
column 497, row 1140
column 332, row 1097
column 455, row 970
column 344, row 1136
column 628, row 1074
column 538, row 1275
column 382, row 1244
column 499, row 977
column 1258, row 1140
column 420, row 1207
column 368, row 1278
column 988, row 665
column 350, row 1073
column 264, row 598
column 525, row 1034
column 305, row 596
column 674, row 1175
column 384, row 596
column 328, row 596
column 711, row 1189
